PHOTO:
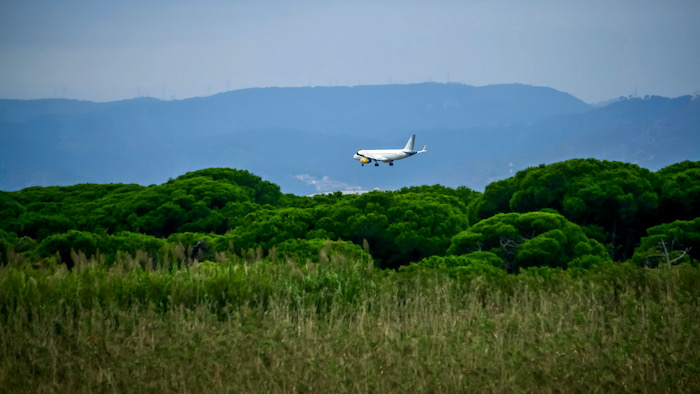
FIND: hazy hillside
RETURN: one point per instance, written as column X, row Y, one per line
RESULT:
column 303, row 138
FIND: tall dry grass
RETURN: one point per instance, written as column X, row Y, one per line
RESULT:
column 341, row 326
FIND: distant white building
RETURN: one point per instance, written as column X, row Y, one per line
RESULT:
column 356, row 191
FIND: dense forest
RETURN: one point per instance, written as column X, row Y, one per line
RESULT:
column 576, row 276
column 576, row 213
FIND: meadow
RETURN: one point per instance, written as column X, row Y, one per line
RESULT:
column 341, row 325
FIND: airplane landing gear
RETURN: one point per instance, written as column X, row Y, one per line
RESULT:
column 391, row 164
column 376, row 164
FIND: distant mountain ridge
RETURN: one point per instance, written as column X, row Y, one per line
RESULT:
column 331, row 109
column 303, row 138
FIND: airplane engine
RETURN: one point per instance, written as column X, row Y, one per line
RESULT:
column 364, row 160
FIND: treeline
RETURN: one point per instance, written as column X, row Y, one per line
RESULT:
column 574, row 214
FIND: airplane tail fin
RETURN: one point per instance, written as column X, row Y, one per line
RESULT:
column 409, row 144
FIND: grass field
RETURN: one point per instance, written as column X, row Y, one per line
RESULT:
column 342, row 326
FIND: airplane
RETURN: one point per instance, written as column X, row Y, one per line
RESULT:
column 387, row 155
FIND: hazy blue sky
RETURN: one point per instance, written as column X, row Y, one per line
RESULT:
column 109, row 50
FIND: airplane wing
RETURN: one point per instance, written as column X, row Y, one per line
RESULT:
column 373, row 156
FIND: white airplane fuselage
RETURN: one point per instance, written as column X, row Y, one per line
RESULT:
column 386, row 155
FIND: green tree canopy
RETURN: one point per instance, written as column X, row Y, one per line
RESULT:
column 669, row 243
column 529, row 239
column 619, row 198
column 212, row 200
column 680, row 191
column 526, row 220
column 91, row 244
column 264, row 192
column 462, row 266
